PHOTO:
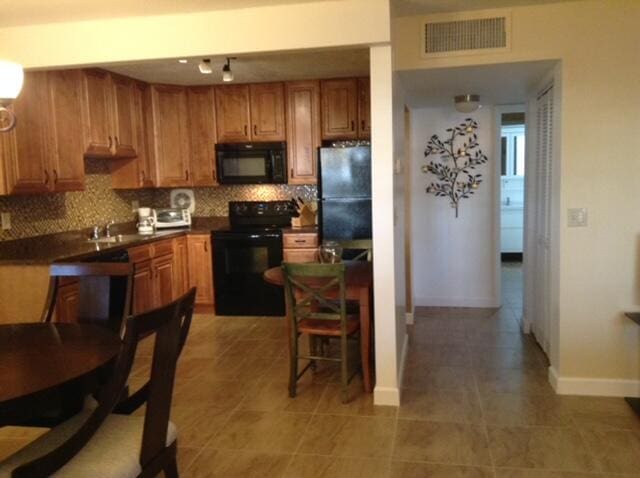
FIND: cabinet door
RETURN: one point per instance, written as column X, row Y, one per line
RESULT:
column 123, row 124
column 68, row 303
column 364, row 108
column 303, row 131
column 339, row 109
column 201, row 267
column 65, row 113
column 163, row 278
column 26, row 149
column 98, row 119
column 202, row 131
column 300, row 255
column 170, row 135
column 143, row 290
column 180, row 266
column 267, row 112
column 232, row 113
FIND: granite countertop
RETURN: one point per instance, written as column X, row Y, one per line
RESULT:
column 74, row 245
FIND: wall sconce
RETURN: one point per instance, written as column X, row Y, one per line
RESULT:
column 467, row 103
column 11, row 79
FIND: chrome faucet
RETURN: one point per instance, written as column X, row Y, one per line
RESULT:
column 95, row 233
column 107, row 228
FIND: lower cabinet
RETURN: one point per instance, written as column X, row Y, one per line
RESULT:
column 300, row 245
column 201, row 268
column 68, row 302
column 180, row 266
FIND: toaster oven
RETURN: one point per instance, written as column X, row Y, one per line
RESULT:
column 171, row 217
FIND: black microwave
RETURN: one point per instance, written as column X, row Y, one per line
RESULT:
column 251, row 163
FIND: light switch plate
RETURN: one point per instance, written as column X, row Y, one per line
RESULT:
column 577, row 217
column 5, row 219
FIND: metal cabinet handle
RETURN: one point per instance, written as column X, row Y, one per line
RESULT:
column 143, row 176
column 186, row 174
column 55, row 177
column 353, row 125
column 245, row 130
column 110, row 142
column 46, row 177
column 206, row 248
column 215, row 178
column 116, row 140
column 362, row 123
column 291, row 172
column 255, row 129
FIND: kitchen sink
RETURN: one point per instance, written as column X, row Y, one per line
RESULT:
column 128, row 237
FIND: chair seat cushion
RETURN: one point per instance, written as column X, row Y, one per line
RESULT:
column 327, row 327
column 113, row 452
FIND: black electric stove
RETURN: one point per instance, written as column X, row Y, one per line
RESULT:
column 251, row 245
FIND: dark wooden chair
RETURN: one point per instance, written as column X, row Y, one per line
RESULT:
column 310, row 291
column 104, row 292
column 357, row 249
column 98, row 443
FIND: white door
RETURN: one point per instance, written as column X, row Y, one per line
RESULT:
column 541, row 305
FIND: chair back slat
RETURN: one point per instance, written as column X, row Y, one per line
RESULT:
column 365, row 246
column 165, row 323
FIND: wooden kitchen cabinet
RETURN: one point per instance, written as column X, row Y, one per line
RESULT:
column 163, row 279
column 346, row 109
column 202, row 128
column 44, row 151
column 143, row 287
column 201, row 268
column 169, row 135
column 68, row 302
column 300, row 246
column 180, row 266
column 250, row 112
column 303, row 130
column 153, row 275
column 267, row 112
column 232, row 113
column 108, row 115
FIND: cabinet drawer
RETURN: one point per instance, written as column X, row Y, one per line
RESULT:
column 139, row 254
column 293, row 241
column 300, row 255
column 162, row 247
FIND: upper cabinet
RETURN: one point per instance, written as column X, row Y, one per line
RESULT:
column 303, row 130
column 345, row 109
column 250, row 112
column 202, row 126
column 44, row 153
column 109, row 120
column 169, row 135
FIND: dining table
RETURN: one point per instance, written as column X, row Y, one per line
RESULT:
column 47, row 367
column 359, row 287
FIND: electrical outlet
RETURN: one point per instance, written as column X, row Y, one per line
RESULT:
column 134, row 206
column 577, row 217
column 5, row 219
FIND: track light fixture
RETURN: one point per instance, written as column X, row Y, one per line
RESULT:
column 227, row 74
column 205, row 66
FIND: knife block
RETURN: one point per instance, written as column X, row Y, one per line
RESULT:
column 307, row 218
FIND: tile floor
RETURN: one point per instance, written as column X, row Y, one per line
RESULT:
column 476, row 403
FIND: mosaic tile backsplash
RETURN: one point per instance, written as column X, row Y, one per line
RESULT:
column 35, row 215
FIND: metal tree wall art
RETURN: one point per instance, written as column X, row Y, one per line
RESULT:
column 457, row 159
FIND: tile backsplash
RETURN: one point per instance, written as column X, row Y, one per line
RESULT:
column 35, row 215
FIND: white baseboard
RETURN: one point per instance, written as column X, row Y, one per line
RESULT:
column 386, row 396
column 481, row 302
column 409, row 318
column 605, row 387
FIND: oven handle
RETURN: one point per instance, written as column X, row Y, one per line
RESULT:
column 246, row 236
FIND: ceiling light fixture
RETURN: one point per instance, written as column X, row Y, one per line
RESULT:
column 183, row 60
column 205, row 67
column 467, row 103
column 11, row 79
column 227, row 74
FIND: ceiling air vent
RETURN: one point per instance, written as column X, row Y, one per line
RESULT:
column 466, row 35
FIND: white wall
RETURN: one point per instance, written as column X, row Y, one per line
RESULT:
column 596, row 267
column 452, row 256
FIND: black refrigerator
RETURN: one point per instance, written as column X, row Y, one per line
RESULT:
column 344, row 192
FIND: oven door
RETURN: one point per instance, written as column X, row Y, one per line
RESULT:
column 241, row 258
column 253, row 166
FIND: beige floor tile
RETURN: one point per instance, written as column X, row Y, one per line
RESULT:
column 450, row 443
column 561, row 449
column 211, row 392
column 438, row 378
column 274, row 396
column 9, row 446
column 428, row 470
column 367, row 437
column 505, row 473
column 186, row 457
column 523, row 381
column 499, row 338
column 437, row 336
column 360, row 402
column 212, row 463
column 438, row 355
column 197, row 425
column 514, row 409
column 440, row 406
column 276, row 432
column 606, row 412
column 505, row 357
column 315, row 466
column 615, row 451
